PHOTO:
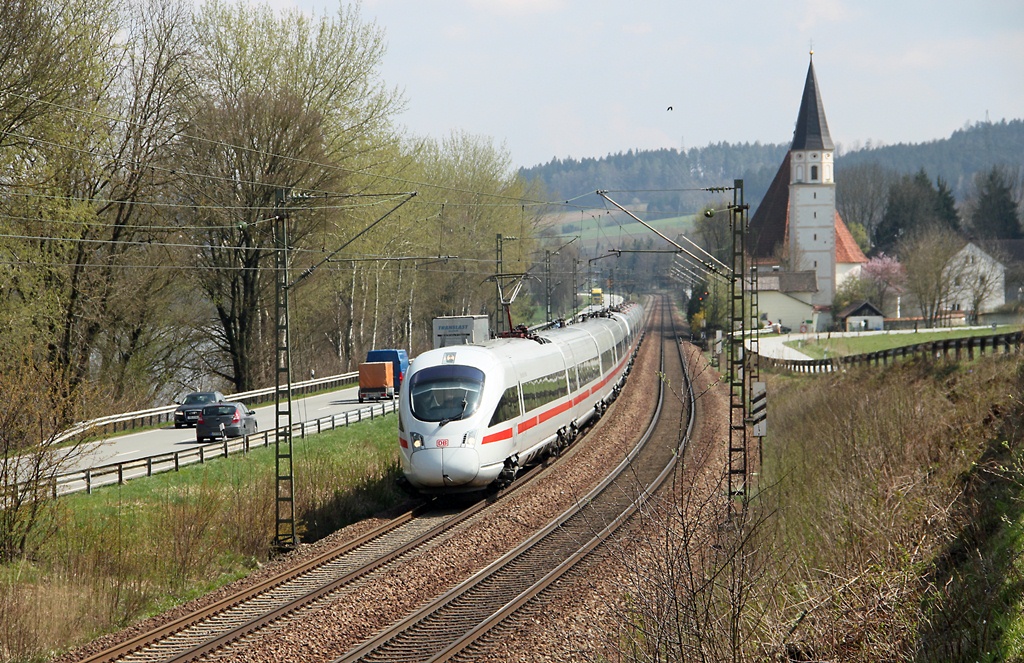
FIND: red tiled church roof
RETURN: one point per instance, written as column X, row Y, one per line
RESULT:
column 847, row 249
column 769, row 225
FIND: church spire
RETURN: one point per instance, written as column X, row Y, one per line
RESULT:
column 811, row 128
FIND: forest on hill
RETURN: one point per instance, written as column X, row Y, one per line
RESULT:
column 667, row 180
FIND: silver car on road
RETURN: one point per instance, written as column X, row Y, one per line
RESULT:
column 224, row 420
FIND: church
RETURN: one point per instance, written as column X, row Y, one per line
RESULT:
column 796, row 238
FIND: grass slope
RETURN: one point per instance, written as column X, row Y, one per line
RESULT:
column 103, row 561
column 899, row 495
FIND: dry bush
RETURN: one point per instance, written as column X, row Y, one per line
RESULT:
column 337, row 491
column 871, row 472
column 34, row 616
column 247, row 514
column 870, row 538
column 698, row 572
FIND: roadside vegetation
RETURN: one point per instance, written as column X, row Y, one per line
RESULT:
column 900, row 507
column 103, row 561
column 888, row 526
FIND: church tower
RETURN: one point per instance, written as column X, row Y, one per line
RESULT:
column 812, row 193
column 796, row 237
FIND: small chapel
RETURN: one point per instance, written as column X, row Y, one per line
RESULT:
column 801, row 246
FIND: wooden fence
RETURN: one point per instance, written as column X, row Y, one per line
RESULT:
column 955, row 349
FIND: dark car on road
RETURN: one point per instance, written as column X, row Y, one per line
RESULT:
column 225, row 420
column 187, row 413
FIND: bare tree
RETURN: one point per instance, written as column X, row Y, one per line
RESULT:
column 861, row 194
column 278, row 102
column 36, row 407
column 932, row 274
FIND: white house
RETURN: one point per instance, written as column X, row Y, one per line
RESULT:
column 977, row 282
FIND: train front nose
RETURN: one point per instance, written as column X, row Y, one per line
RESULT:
column 445, row 467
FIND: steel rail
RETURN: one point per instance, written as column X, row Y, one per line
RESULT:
column 462, row 604
column 156, row 639
column 508, row 611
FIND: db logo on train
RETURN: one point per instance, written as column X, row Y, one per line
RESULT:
column 443, row 442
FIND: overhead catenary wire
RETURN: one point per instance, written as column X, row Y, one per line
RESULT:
column 307, row 162
column 714, row 264
column 501, row 200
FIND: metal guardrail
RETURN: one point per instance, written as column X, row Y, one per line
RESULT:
column 952, row 348
column 118, row 473
column 165, row 413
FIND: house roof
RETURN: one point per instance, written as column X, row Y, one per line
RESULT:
column 1008, row 251
column 811, row 131
column 862, row 308
column 787, row 282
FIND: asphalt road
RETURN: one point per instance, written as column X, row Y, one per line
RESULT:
column 126, row 447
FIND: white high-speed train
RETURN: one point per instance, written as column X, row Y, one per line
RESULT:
column 472, row 415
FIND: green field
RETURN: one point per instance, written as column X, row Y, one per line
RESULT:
column 825, row 345
column 616, row 230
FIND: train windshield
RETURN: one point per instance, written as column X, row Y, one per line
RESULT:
column 445, row 393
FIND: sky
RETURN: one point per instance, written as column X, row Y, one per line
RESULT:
column 545, row 79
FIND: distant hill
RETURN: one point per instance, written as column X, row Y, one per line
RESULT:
column 665, row 182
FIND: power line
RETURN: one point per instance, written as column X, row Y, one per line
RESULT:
column 217, row 143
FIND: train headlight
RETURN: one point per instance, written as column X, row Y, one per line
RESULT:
column 469, row 440
column 417, row 441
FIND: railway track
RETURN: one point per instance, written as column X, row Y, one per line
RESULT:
column 463, row 623
column 233, row 617
column 220, row 626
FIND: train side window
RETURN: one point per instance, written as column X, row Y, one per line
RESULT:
column 508, row 406
column 607, row 360
column 543, row 390
column 589, row 370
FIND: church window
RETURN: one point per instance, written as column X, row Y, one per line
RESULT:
column 814, row 173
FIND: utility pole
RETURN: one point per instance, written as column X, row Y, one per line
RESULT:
column 497, row 284
column 547, row 286
column 499, row 275
column 738, row 467
column 284, row 537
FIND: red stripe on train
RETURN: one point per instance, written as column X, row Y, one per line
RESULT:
column 499, row 436
column 558, row 409
column 528, row 424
